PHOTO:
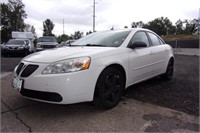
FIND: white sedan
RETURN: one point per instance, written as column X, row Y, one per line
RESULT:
column 99, row 66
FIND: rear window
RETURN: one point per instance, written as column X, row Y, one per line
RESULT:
column 47, row 39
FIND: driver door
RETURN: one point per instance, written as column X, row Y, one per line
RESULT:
column 140, row 59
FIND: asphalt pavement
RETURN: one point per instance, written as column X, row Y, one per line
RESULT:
column 181, row 93
column 152, row 106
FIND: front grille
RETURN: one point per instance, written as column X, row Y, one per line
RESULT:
column 48, row 46
column 19, row 68
column 29, row 70
column 26, row 70
column 47, row 96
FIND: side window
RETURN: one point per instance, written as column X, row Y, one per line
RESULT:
column 140, row 37
column 161, row 42
column 154, row 39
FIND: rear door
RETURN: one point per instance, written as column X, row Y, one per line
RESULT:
column 158, row 52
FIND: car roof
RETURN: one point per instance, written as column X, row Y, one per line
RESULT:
column 47, row 37
column 23, row 39
column 128, row 29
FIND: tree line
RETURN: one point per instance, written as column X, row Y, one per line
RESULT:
column 13, row 16
column 163, row 26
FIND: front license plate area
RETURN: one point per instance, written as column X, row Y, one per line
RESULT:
column 17, row 83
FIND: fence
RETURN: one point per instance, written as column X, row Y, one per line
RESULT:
column 185, row 47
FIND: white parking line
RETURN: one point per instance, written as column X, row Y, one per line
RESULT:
column 4, row 74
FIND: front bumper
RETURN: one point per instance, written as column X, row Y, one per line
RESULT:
column 66, row 88
column 14, row 51
column 44, row 47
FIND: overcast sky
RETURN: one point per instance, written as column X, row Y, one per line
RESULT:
column 77, row 14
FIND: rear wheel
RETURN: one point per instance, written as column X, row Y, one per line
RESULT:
column 109, row 88
column 170, row 70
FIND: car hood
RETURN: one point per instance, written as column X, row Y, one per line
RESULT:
column 57, row 54
column 12, row 45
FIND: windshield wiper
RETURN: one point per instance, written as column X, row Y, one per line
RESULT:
column 98, row 45
column 94, row 45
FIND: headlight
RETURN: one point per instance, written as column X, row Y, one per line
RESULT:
column 38, row 45
column 57, row 45
column 4, row 47
column 21, row 47
column 66, row 66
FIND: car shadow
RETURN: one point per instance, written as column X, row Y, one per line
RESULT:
column 171, row 94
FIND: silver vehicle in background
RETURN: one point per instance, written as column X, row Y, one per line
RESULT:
column 67, row 43
column 46, row 42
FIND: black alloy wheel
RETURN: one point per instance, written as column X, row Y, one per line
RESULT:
column 170, row 70
column 110, row 86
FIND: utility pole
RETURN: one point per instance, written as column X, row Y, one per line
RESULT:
column 63, row 26
column 94, row 16
column 198, row 29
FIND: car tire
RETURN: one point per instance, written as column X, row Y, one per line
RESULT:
column 109, row 88
column 169, row 71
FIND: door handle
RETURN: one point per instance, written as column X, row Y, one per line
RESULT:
column 151, row 53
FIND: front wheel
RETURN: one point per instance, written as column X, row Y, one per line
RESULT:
column 109, row 88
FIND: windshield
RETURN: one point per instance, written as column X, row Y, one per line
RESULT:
column 16, row 42
column 47, row 39
column 106, row 38
column 27, row 42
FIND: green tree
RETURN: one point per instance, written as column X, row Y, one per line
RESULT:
column 89, row 32
column 179, row 27
column 27, row 28
column 138, row 24
column 48, row 27
column 162, row 26
column 6, row 27
column 190, row 26
column 62, row 38
column 30, row 28
column 17, row 14
column 77, row 35
column 133, row 25
column 33, row 31
column 12, row 18
column 195, row 26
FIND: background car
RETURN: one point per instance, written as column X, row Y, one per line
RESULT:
column 68, row 42
column 97, row 67
column 17, row 46
column 46, row 42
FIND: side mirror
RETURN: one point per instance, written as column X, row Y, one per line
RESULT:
column 138, row 44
